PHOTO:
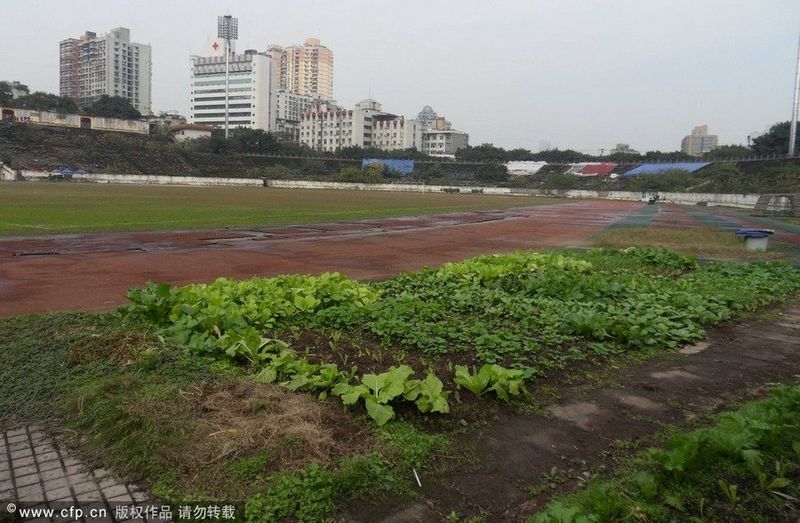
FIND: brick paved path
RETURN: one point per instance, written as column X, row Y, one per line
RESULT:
column 36, row 472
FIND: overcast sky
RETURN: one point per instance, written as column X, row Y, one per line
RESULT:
column 584, row 74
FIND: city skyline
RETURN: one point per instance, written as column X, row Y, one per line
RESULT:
column 514, row 74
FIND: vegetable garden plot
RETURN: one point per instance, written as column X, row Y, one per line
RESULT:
column 487, row 324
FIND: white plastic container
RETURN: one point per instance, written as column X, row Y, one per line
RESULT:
column 756, row 244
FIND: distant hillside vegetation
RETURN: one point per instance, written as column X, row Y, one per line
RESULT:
column 46, row 148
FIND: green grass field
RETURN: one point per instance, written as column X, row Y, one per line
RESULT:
column 47, row 208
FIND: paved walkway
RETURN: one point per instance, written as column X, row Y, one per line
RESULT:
column 35, row 472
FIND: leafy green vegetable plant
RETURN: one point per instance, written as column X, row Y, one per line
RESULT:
column 491, row 378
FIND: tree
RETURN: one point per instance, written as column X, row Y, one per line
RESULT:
column 674, row 156
column 775, row 141
column 254, row 141
column 492, row 173
column 520, row 154
column 113, row 107
column 729, row 152
column 562, row 156
column 40, row 101
column 216, row 143
column 7, row 91
column 485, row 152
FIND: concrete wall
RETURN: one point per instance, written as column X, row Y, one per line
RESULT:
column 145, row 179
column 73, row 120
column 745, row 201
column 730, row 200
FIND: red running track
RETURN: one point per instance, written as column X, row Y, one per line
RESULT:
column 94, row 271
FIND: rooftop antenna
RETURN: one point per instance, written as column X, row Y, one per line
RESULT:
column 227, row 29
column 793, row 126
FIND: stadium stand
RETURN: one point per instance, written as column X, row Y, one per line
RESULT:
column 596, row 169
column 657, row 168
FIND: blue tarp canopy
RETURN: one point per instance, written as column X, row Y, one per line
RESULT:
column 658, row 168
column 400, row 166
column 754, row 233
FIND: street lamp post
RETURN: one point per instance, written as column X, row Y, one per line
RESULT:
column 227, row 29
column 793, row 125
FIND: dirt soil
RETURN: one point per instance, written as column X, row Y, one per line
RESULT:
column 94, row 271
column 579, row 434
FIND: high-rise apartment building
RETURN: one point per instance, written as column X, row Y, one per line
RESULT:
column 252, row 91
column 305, row 69
column 289, row 109
column 92, row 66
column 699, row 142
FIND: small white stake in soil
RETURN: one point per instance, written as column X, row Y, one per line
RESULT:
column 417, row 476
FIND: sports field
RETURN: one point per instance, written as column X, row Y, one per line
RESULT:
column 47, row 208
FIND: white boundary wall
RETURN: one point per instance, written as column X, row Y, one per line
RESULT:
column 746, row 201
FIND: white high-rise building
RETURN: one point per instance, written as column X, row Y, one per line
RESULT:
column 92, row 66
column 252, row 90
column 290, row 107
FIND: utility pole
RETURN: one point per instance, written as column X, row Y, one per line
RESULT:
column 793, row 126
column 227, row 29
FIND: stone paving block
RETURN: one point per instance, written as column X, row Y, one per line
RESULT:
column 17, row 432
column 49, row 465
column 5, row 484
column 22, row 462
column 107, row 482
column 22, row 471
column 6, row 495
column 71, row 462
column 76, row 469
column 28, row 479
column 52, row 474
column 38, row 438
column 91, row 495
column 125, row 498
column 30, row 493
column 43, row 447
column 98, row 473
column 21, row 452
column 17, row 439
column 86, row 486
column 57, row 493
column 57, row 483
column 114, row 491
column 47, row 456
column 19, row 444
column 80, row 477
